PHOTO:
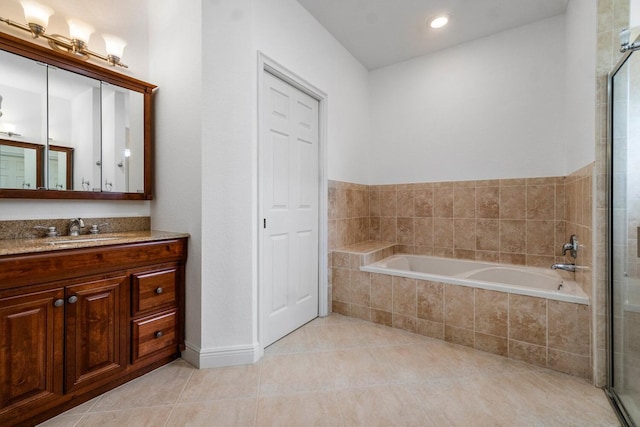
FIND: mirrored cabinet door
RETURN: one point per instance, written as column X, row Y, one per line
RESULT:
column 70, row 129
column 23, row 120
column 74, row 125
column 122, row 140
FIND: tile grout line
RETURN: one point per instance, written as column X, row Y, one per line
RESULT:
column 256, row 412
column 184, row 387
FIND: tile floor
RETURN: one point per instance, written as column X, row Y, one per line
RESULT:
column 339, row 371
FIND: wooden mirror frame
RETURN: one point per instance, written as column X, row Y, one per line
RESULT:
column 39, row 149
column 69, row 164
column 67, row 62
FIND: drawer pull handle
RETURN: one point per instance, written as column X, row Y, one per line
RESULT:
column 72, row 299
column 159, row 290
column 58, row 303
column 158, row 334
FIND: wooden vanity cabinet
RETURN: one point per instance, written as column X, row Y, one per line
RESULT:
column 66, row 340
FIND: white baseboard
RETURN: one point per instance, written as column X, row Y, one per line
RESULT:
column 222, row 356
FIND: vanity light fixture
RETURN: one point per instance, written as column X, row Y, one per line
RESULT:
column 439, row 21
column 37, row 17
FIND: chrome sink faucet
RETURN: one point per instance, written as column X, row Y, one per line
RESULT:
column 75, row 225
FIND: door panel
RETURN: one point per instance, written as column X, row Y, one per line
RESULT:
column 624, row 381
column 31, row 337
column 289, row 193
column 96, row 336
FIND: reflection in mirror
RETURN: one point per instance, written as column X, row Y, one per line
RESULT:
column 21, row 165
column 60, row 168
column 22, row 118
column 122, row 140
column 74, row 123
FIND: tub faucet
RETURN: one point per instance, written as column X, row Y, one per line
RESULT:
column 571, row 246
column 565, row 267
column 75, row 225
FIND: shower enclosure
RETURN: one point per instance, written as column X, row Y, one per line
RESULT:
column 624, row 233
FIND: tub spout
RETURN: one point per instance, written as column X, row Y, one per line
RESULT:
column 565, row 267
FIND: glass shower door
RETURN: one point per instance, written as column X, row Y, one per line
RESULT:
column 624, row 301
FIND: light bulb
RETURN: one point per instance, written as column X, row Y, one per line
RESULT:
column 78, row 30
column 439, row 21
column 114, row 45
column 35, row 13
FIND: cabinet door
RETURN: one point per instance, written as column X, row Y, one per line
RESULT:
column 96, row 331
column 31, row 351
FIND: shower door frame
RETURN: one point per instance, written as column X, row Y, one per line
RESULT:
column 617, row 404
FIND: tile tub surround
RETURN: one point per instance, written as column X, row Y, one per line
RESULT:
column 539, row 331
column 511, row 221
column 24, row 229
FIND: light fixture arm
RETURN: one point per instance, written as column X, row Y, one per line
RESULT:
column 64, row 44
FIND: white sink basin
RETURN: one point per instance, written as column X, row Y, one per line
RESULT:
column 81, row 240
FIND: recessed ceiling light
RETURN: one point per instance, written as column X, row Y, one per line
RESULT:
column 439, row 21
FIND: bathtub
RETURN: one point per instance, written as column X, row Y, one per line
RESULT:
column 531, row 281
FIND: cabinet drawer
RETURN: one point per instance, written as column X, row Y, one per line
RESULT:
column 154, row 333
column 153, row 289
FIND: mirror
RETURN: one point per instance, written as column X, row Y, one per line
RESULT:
column 20, row 165
column 71, row 129
column 60, row 168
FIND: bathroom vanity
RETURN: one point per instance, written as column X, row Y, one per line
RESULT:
column 80, row 317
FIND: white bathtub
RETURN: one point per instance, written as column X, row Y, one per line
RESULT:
column 532, row 281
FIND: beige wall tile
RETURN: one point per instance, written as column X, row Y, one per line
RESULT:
column 381, row 292
column 341, row 284
column 491, row 312
column 388, row 203
column 464, row 234
column 443, row 233
column 406, row 203
column 540, row 237
column 492, row 344
column 340, row 307
column 528, row 319
column 430, row 301
column 404, row 296
column 488, row 235
column 569, row 327
column 459, row 306
column 488, row 202
column 381, row 317
column 361, row 288
column 423, row 199
column 405, row 231
column 423, row 232
column 530, row 353
column 464, row 202
column 570, row 363
column 513, row 236
column 540, row 202
column 443, row 202
column 407, row 323
column 361, row 312
column 512, row 202
column 388, row 229
column 487, row 256
column 458, row 335
column 430, row 329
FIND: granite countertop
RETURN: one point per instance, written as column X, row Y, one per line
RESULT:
column 47, row 244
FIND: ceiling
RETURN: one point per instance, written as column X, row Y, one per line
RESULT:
column 382, row 32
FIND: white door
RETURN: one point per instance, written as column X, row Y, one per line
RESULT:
column 289, row 194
